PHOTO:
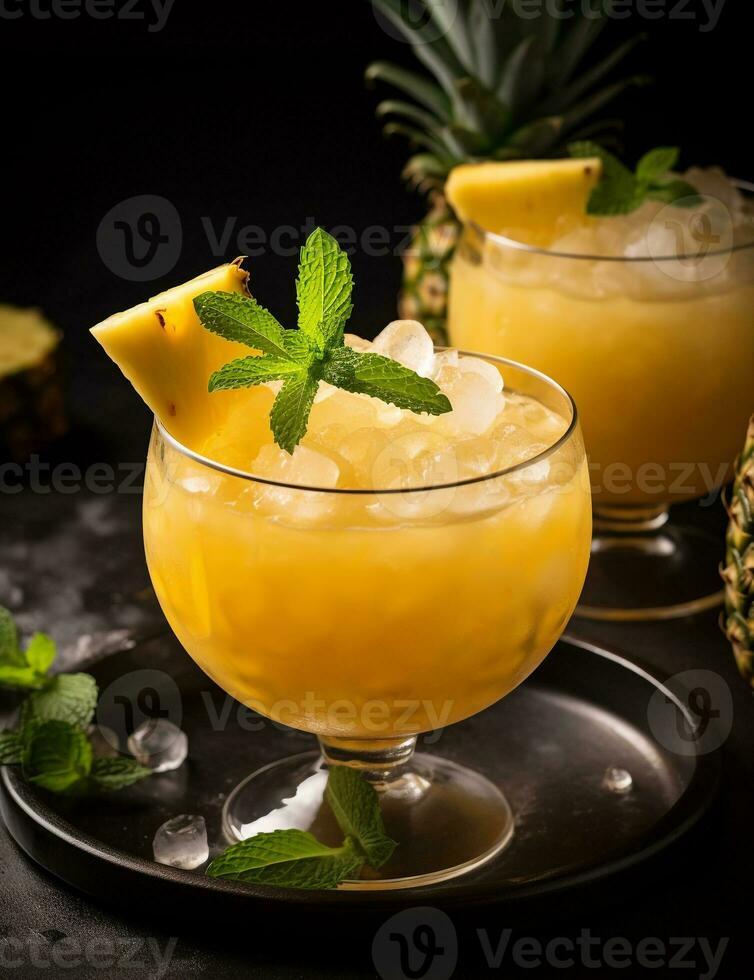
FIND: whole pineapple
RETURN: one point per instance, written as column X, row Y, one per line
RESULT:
column 504, row 86
column 739, row 571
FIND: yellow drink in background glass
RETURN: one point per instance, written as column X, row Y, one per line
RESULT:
column 662, row 369
column 648, row 320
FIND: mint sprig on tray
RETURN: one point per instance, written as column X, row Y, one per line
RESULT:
column 51, row 743
column 315, row 352
column 622, row 191
column 24, row 669
column 296, row 859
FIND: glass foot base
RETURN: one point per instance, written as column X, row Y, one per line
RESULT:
column 446, row 819
column 650, row 571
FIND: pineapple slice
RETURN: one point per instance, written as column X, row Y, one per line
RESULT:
column 32, row 412
column 168, row 356
column 532, row 201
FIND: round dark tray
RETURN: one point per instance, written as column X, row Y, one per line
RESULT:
column 548, row 745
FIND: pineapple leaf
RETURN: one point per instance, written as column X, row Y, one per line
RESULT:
column 483, row 39
column 567, row 96
column 423, row 167
column 538, row 139
column 451, row 21
column 413, row 84
column 577, row 42
column 433, row 52
column 429, row 142
column 488, row 114
column 395, row 107
column 469, row 142
column 524, row 75
column 593, row 103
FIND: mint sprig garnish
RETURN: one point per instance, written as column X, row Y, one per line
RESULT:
column 622, row 191
column 296, row 859
column 315, row 352
column 52, row 744
column 288, row 858
column 356, row 807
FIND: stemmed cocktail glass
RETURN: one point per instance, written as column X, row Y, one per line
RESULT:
column 658, row 351
column 367, row 617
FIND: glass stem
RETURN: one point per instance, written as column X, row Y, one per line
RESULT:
column 377, row 759
column 629, row 520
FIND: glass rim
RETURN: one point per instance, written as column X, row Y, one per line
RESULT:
column 513, row 243
column 218, row 467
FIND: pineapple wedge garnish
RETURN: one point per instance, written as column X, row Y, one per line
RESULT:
column 532, row 201
column 166, row 354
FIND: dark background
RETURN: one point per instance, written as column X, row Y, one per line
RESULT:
column 259, row 111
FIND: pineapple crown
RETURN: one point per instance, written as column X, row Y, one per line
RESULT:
column 504, row 86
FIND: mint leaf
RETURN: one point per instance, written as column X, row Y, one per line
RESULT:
column 678, row 192
column 10, row 748
column 357, row 809
column 19, row 669
column 111, row 774
column 323, row 290
column 289, row 418
column 612, row 168
column 622, row 192
column 10, row 654
column 241, row 319
column 70, row 698
column 612, row 198
column 656, row 163
column 21, row 678
column 249, row 371
column 40, row 653
column 378, row 376
column 289, row 858
column 57, row 756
